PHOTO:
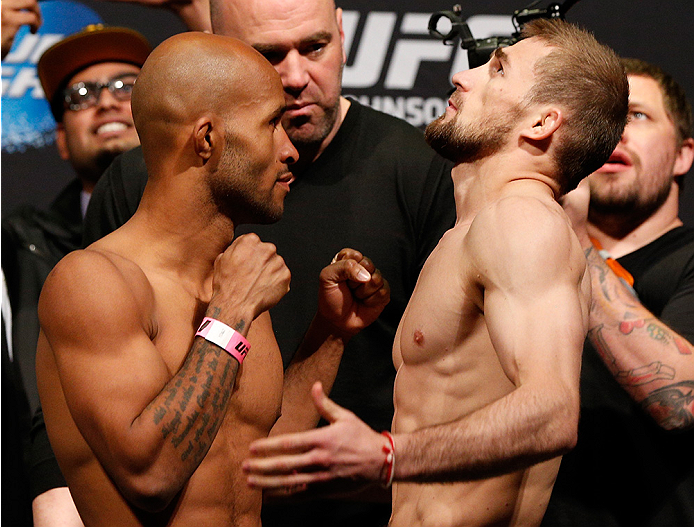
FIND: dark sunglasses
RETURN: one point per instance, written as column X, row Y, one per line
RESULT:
column 86, row 94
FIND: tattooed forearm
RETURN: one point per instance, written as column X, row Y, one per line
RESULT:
column 633, row 377
column 195, row 401
column 599, row 272
column 674, row 405
column 600, row 344
column 645, row 374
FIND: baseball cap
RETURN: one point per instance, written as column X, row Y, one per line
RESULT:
column 94, row 44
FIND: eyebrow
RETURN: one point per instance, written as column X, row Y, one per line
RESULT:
column 316, row 37
column 500, row 55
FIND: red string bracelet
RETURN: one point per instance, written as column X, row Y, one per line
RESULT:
column 389, row 462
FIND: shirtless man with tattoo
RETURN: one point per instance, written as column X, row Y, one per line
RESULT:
column 150, row 421
column 488, row 351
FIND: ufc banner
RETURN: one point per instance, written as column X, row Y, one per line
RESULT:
column 393, row 64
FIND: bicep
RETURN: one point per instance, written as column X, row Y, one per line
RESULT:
column 537, row 334
column 108, row 368
column 536, row 301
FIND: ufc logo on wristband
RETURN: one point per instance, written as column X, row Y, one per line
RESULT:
column 221, row 335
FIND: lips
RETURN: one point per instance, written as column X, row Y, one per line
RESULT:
column 298, row 109
column 287, row 178
column 617, row 162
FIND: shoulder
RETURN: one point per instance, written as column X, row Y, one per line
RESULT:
column 508, row 219
column 524, row 236
column 94, row 286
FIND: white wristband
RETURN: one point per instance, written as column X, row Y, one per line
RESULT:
column 220, row 334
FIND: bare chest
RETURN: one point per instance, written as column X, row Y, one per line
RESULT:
column 444, row 311
column 257, row 394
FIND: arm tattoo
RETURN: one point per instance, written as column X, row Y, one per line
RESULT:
column 659, row 333
column 602, row 273
column 627, row 326
column 200, row 383
column 682, row 346
column 611, row 290
column 636, row 376
column 675, row 403
column 652, row 372
column 596, row 337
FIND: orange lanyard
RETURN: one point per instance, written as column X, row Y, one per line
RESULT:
column 612, row 263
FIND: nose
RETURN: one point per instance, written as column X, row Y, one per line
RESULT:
column 105, row 99
column 294, row 73
column 461, row 81
column 287, row 152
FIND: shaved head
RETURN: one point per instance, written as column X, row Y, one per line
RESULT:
column 191, row 75
column 208, row 109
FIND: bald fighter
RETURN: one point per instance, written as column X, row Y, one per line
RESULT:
column 157, row 364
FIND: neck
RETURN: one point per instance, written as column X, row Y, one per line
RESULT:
column 623, row 233
column 185, row 234
column 483, row 182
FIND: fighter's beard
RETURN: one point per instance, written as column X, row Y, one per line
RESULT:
column 462, row 143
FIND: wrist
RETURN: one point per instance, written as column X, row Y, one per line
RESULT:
column 220, row 334
column 237, row 317
column 327, row 329
column 388, row 468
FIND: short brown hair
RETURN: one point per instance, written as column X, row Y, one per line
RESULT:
column 674, row 97
column 587, row 78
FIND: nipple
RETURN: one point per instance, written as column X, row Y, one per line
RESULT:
column 419, row 337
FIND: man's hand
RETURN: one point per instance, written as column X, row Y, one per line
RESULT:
column 249, row 278
column 15, row 14
column 347, row 448
column 575, row 205
column 352, row 292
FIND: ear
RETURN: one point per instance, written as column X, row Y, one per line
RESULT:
column 544, row 124
column 61, row 142
column 206, row 138
column 338, row 15
column 683, row 161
